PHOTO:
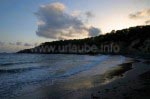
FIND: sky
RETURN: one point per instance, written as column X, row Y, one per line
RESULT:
column 27, row 23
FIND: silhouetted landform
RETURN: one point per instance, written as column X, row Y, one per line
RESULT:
column 132, row 41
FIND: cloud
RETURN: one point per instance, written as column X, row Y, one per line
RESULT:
column 36, row 44
column 140, row 14
column 27, row 44
column 147, row 22
column 10, row 43
column 76, row 13
column 2, row 43
column 89, row 14
column 18, row 43
column 143, row 15
column 55, row 23
column 94, row 31
column 14, row 46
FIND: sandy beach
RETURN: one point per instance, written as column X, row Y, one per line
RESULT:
column 130, row 81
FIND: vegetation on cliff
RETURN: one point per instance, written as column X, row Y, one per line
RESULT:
column 134, row 40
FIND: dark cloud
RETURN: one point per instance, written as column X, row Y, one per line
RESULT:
column 55, row 23
column 89, row 14
column 10, row 43
column 2, row 43
column 94, row 31
column 18, row 43
column 27, row 44
column 140, row 14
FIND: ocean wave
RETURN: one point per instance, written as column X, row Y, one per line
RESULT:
column 18, row 70
column 17, row 63
column 94, row 62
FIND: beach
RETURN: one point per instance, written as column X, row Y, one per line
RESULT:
column 131, row 83
column 74, row 77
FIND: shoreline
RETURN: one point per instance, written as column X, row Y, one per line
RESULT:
column 133, row 85
column 125, row 83
column 119, row 70
column 123, row 80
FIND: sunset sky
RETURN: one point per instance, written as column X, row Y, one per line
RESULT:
column 27, row 23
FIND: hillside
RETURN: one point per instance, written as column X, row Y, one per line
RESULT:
column 134, row 40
